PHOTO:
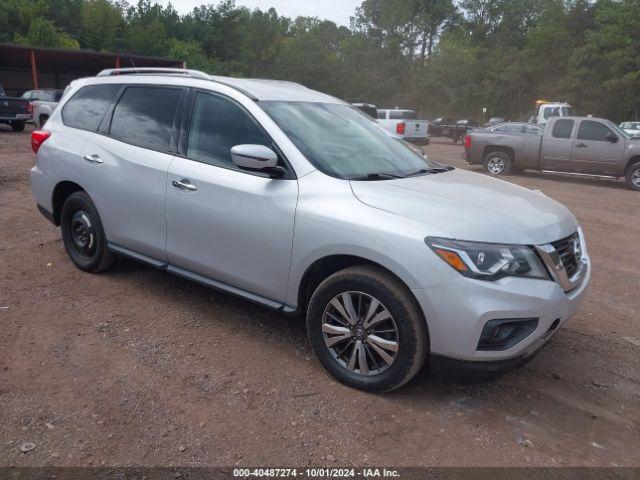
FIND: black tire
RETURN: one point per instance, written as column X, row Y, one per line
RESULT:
column 17, row 125
column 498, row 163
column 83, row 235
column 42, row 120
column 633, row 176
column 411, row 331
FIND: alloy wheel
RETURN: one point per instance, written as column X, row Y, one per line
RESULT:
column 495, row 165
column 635, row 177
column 360, row 333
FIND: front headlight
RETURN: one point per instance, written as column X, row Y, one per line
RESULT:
column 489, row 261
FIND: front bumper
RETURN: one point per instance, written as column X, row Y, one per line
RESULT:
column 457, row 311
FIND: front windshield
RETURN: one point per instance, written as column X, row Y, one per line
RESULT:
column 342, row 142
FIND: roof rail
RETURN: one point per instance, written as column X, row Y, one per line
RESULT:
column 154, row 71
column 173, row 71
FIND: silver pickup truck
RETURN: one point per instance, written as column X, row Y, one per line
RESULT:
column 583, row 145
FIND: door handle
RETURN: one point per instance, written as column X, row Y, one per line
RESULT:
column 93, row 158
column 580, row 145
column 184, row 184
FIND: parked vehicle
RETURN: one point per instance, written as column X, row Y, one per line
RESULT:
column 439, row 127
column 461, row 127
column 495, row 121
column 293, row 199
column 13, row 111
column 446, row 127
column 584, row 145
column 367, row 108
column 405, row 124
column 44, row 106
column 632, row 128
column 546, row 110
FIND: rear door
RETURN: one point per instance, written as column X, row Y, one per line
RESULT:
column 126, row 163
column 556, row 146
column 592, row 152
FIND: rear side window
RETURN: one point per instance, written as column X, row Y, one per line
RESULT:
column 382, row 114
column 514, row 128
column 87, row 107
column 144, row 116
column 500, row 129
column 562, row 129
column 590, row 130
column 217, row 125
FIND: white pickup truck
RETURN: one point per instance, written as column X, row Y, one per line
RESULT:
column 43, row 105
column 405, row 124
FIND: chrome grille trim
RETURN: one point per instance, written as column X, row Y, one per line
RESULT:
column 566, row 259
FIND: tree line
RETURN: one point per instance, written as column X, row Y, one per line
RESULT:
column 441, row 57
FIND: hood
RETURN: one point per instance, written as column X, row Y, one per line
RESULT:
column 470, row 206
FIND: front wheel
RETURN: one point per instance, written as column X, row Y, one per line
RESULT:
column 633, row 176
column 83, row 235
column 17, row 125
column 366, row 329
column 498, row 163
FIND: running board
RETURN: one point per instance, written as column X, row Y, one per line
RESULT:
column 206, row 281
column 578, row 174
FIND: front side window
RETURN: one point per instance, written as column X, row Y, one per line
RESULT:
column 217, row 125
column 562, row 129
column 87, row 107
column 341, row 142
column 514, row 128
column 594, row 131
column 144, row 116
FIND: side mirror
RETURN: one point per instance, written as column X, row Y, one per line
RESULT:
column 254, row 157
column 611, row 137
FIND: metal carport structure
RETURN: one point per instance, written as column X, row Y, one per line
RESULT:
column 29, row 68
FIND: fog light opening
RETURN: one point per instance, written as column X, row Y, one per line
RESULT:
column 502, row 334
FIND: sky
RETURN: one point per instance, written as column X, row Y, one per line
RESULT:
column 337, row 10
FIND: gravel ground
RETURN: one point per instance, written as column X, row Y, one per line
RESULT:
column 138, row 367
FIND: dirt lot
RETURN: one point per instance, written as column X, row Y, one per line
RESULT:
column 137, row 367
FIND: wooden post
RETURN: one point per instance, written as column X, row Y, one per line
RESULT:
column 117, row 62
column 34, row 70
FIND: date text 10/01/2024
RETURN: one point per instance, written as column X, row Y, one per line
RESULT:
column 315, row 473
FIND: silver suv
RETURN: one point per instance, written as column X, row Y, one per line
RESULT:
column 298, row 201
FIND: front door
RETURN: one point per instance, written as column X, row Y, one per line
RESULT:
column 596, row 149
column 224, row 223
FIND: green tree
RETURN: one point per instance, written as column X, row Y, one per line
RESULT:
column 102, row 25
column 43, row 33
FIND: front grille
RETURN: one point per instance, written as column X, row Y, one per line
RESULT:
column 566, row 249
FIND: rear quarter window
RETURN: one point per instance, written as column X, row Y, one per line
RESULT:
column 87, row 107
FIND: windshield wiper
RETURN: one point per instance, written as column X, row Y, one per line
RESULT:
column 423, row 171
column 376, row 176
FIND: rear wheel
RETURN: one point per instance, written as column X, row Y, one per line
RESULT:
column 633, row 176
column 498, row 163
column 17, row 125
column 366, row 329
column 83, row 234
